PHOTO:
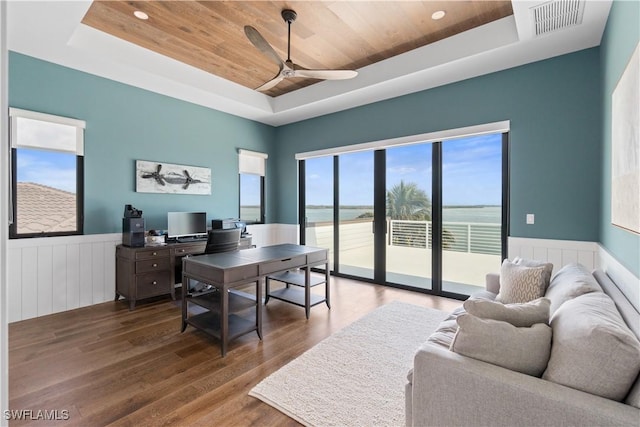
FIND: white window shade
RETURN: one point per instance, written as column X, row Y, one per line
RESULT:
column 30, row 129
column 252, row 162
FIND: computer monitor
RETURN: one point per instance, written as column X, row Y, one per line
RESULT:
column 186, row 224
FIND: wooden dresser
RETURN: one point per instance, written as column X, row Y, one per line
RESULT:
column 154, row 270
column 150, row 271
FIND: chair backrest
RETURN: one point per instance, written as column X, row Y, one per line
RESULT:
column 222, row 240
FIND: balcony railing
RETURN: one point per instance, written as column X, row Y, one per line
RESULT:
column 479, row 238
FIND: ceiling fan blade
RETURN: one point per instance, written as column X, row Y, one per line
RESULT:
column 271, row 83
column 261, row 44
column 326, row 74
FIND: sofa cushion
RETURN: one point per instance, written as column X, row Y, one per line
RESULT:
column 523, row 350
column 570, row 281
column 593, row 349
column 520, row 315
column 548, row 268
column 519, row 283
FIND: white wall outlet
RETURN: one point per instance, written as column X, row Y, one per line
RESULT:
column 531, row 219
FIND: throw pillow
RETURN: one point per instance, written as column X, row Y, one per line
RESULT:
column 520, row 315
column 548, row 268
column 570, row 281
column 524, row 350
column 519, row 283
column 593, row 350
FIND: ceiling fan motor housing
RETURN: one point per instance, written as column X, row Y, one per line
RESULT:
column 289, row 15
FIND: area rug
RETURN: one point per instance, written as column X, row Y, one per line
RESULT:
column 355, row 377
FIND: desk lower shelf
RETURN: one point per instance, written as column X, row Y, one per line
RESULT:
column 296, row 297
column 209, row 322
column 297, row 279
column 238, row 301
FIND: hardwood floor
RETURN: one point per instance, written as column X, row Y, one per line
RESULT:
column 107, row 365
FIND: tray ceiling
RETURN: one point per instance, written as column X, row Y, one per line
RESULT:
column 449, row 55
column 326, row 34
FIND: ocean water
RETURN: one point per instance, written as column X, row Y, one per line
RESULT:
column 482, row 214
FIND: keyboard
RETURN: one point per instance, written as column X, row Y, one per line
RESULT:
column 191, row 239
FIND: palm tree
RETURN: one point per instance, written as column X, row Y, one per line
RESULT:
column 408, row 202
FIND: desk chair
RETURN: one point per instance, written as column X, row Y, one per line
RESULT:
column 218, row 240
column 222, row 240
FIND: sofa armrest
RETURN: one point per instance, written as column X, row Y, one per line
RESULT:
column 492, row 282
column 450, row 389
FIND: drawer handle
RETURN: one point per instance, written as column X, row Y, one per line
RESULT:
column 154, row 282
column 285, row 260
column 155, row 265
column 155, row 253
column 181, row 250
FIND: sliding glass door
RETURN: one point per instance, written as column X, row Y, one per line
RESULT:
column 471, row 211
column 318, row 207
column 408, row 211
column 355, row 210
column 428, row 216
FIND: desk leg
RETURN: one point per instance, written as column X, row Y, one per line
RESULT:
column 327, row 292
column 224, row 321
column 259, row 307
column 184, row 307
column 307, row 291
column 266, row 290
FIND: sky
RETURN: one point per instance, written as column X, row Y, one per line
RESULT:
column 45, row 166
column 51, row 168
column 472, row 172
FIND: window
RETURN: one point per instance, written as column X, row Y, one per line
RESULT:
column 46, row 174
column 252, row 167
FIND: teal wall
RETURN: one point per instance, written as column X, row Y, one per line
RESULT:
column 125, row 124
column 555, row 111
column 618, row 43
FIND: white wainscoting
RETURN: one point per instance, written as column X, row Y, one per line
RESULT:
column 557, row 252
column 54, row 274
column 590, row 254
column 273, row 234
column 628, row 283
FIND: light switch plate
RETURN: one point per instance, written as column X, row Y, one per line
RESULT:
column 531, row 219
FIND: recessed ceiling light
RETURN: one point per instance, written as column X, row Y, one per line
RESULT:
column 439, row 14
column 140, row 15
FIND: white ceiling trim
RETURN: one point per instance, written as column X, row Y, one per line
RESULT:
column 502, row 44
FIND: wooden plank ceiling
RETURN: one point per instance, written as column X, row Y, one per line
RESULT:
column 209, row 35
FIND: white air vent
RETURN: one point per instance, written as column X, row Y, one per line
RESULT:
column 556, row 15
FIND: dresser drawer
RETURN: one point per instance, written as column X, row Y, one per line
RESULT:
column 153, row 265
column 190, row 250
column 152, row 284
column 285, row 264
column 153, row 254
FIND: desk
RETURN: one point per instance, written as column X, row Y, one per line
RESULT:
column 229, row 270
column 151, row 270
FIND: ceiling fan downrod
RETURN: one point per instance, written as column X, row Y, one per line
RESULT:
column 289, row 16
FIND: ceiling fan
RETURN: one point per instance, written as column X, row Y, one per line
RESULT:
column 287, row 68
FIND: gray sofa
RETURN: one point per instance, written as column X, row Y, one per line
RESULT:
column 446, row 388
